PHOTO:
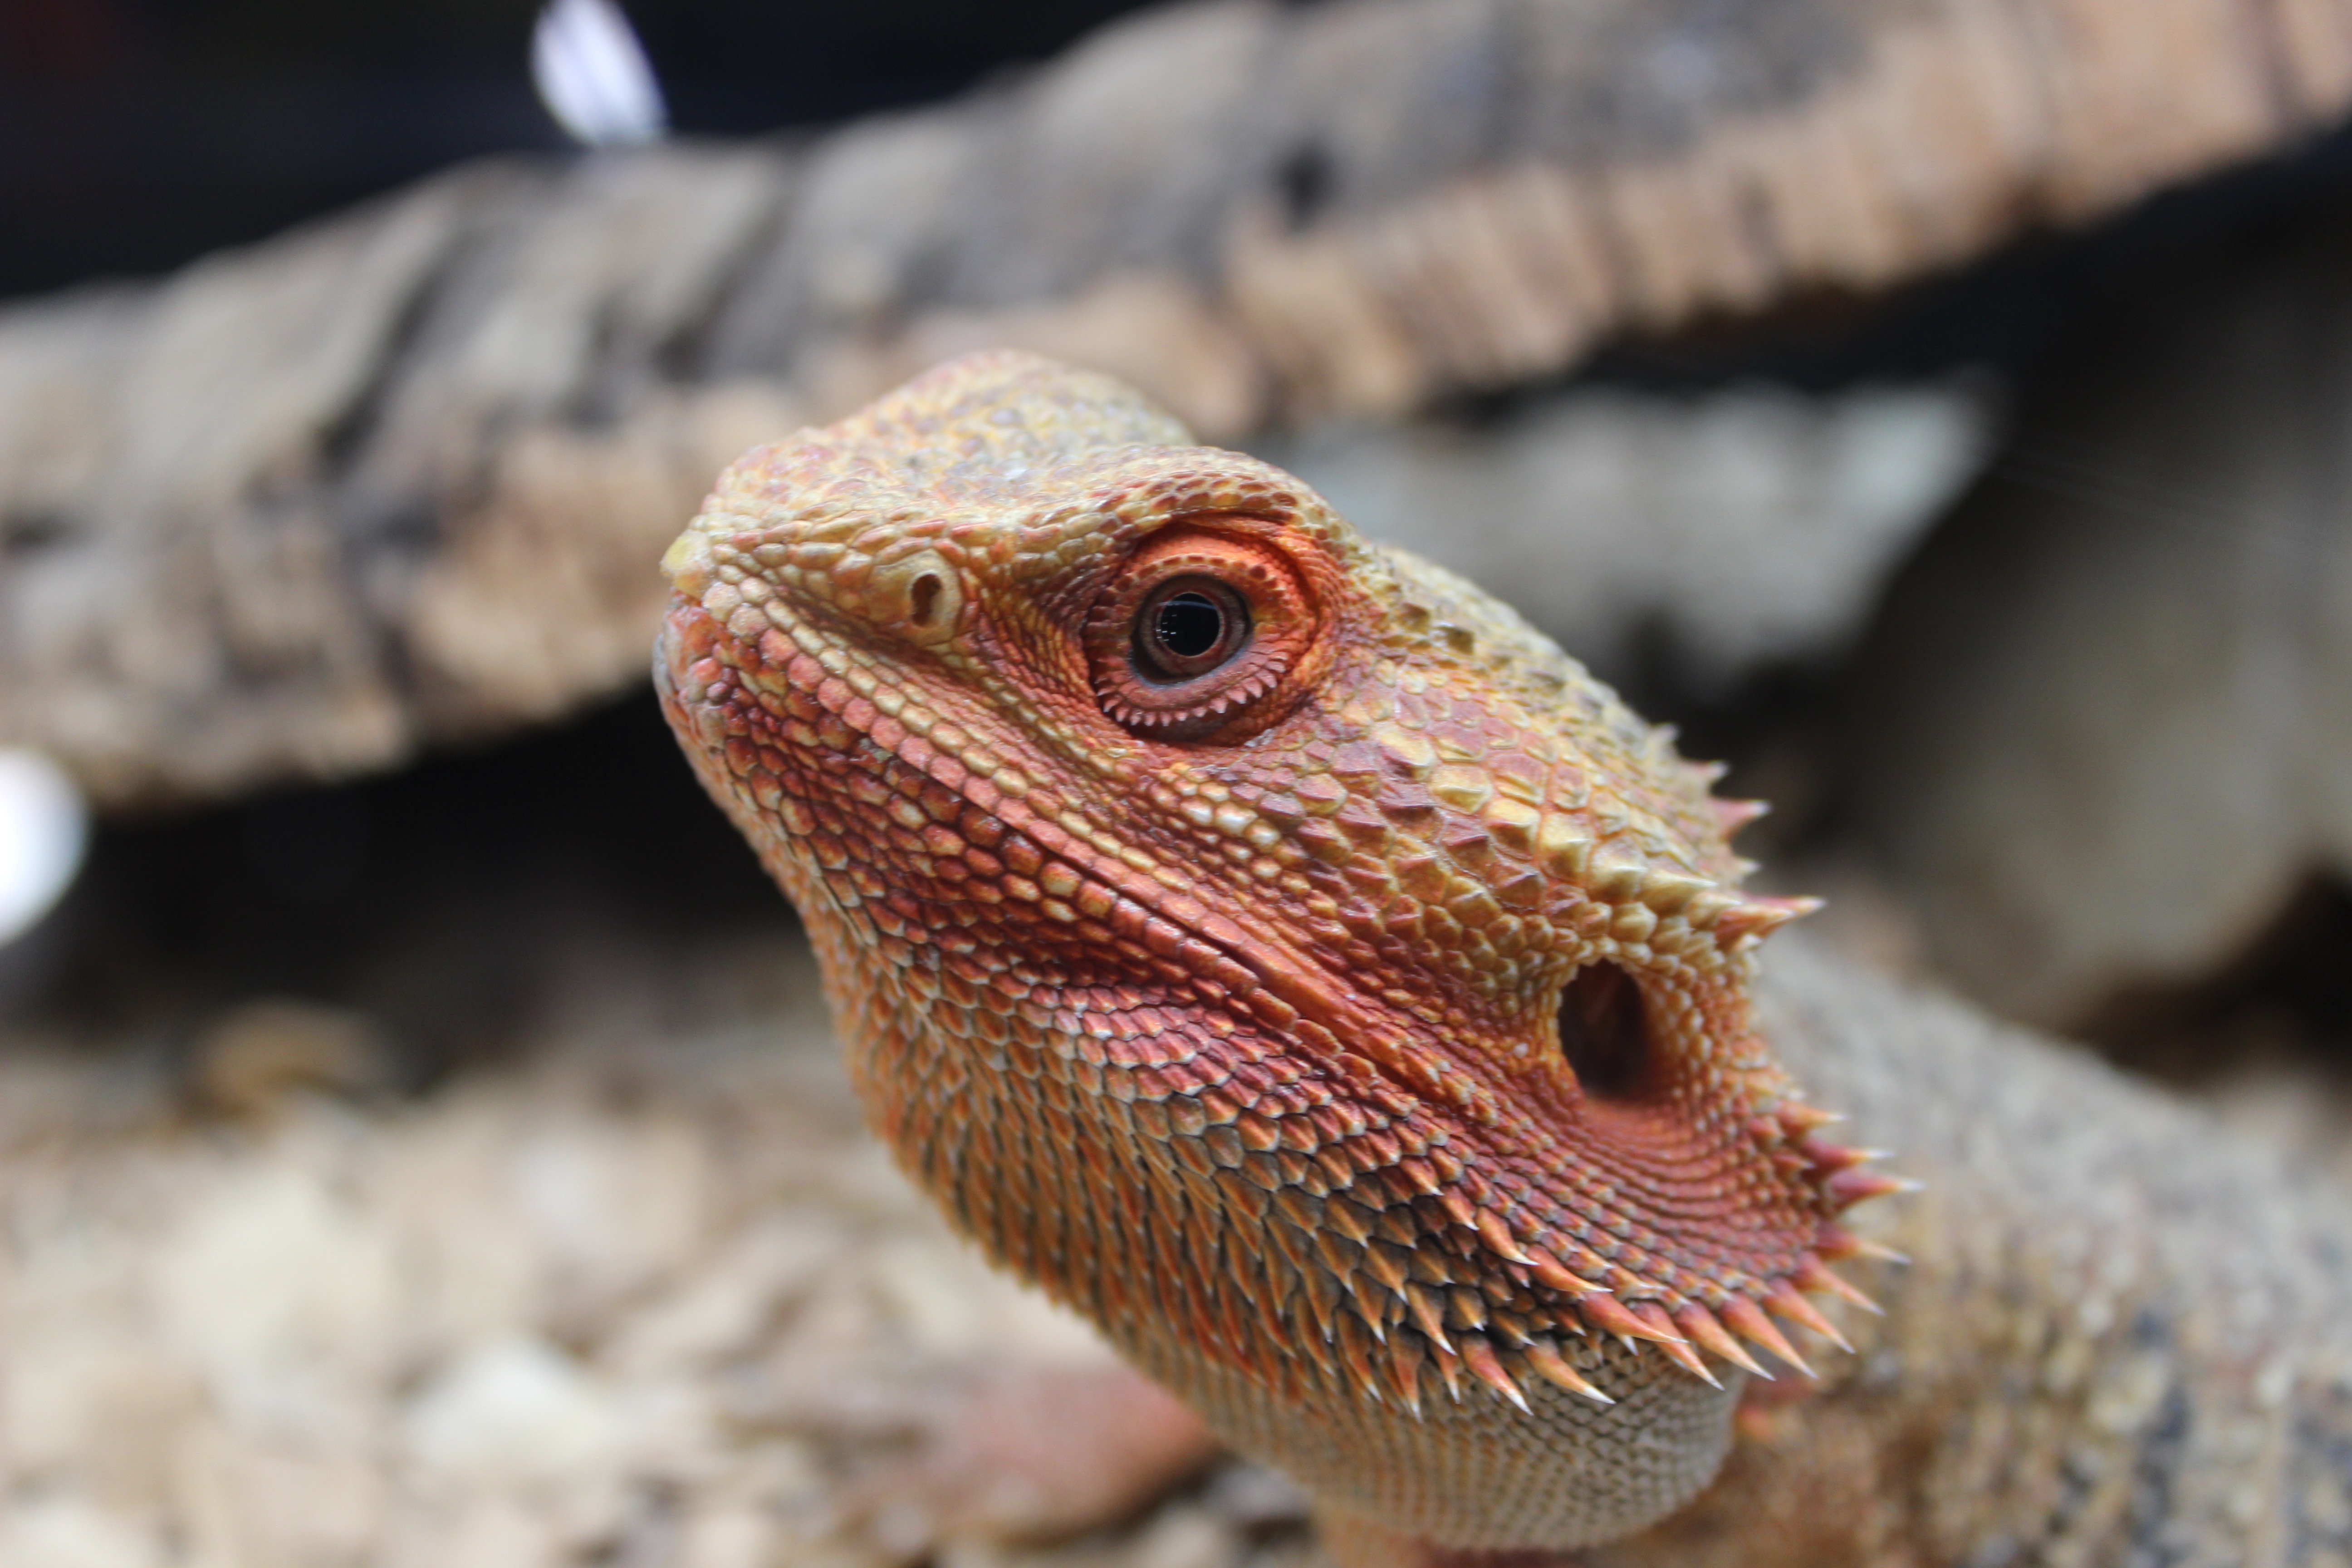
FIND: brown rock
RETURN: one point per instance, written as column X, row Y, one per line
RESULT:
column 2105, row 734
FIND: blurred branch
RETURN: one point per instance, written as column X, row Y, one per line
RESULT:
column 400, row 475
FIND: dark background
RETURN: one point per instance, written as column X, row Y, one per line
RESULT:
column 141, row 133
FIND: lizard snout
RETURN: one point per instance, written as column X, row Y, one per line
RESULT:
column 914, row 594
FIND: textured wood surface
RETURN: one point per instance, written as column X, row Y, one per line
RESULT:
column 400, row 475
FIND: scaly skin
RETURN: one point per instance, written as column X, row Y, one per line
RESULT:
column 1353, row 1018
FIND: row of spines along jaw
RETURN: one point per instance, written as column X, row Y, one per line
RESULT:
column 1406, row 1325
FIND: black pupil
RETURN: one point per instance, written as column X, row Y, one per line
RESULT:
column 1188, row 624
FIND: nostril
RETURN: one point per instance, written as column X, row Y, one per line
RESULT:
column 917, row 597
column 1604, row 1033
column 923, row 600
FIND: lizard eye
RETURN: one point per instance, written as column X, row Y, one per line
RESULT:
column 1189, row 627
column 1194, row 637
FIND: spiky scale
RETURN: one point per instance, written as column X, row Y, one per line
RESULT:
column 1428, row 1311
column 1744, row 1318
column 1449, row 1369
column 1545, row 1357
column 1814, row 1275
column 1831, row 1158
column 1760, row 917
column 1677, row 1349
column 1323, row 1298
column 1404, row 1370
column 1796, row 1309
column 1497, row 1236
column 1849, row 1187
column 1391, row 1266
column 1483, row 1364
column 1614, row 1316
column 1551, row 1272
column 1706, row 1330
column 1732, row 816
column 1836, row 1244
column 1799, row 1119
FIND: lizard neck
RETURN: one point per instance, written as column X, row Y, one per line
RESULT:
column 1115, row 1169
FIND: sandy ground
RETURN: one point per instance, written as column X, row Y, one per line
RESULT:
column 642, row 1296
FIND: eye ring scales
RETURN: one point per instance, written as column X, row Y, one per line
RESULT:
column 1205, row 634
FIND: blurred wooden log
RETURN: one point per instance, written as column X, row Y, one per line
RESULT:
column 398, row 476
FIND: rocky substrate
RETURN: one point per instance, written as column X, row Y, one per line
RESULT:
column 640, row 1295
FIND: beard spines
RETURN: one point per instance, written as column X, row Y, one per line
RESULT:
column 1452, row 1315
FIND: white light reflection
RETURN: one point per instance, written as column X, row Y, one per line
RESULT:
column 44, row 829
column 593, row 74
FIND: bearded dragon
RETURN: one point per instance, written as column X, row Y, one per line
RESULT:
column 1278, row 950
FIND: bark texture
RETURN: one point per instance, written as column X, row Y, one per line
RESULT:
column 400, row 475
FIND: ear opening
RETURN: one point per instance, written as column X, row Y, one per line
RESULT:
column 1605, row 1034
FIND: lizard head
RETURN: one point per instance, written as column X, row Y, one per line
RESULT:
column 1265, row 939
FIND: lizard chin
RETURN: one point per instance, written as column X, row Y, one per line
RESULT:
column 1375, row 1066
